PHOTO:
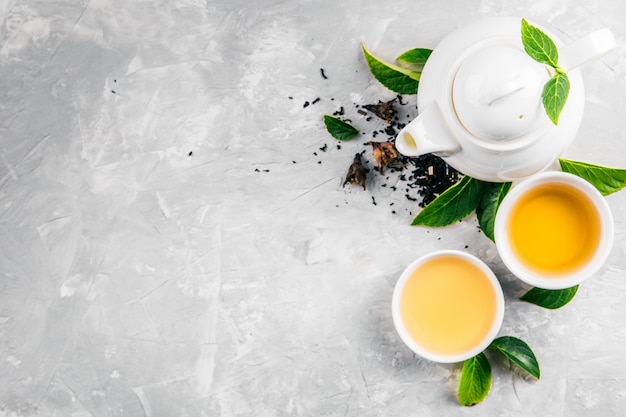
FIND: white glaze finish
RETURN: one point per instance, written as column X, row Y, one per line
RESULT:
column 137, row 280
column 487, row 91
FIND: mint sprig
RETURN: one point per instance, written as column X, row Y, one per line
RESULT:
column 542, row 49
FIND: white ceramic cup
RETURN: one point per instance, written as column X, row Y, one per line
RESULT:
column 555, row 280
column 413, row 344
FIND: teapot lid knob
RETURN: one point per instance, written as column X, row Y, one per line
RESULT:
column 496, row 93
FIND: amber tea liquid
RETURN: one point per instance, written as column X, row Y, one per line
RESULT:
column 554, row 229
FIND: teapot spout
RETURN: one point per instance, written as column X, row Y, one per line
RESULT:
column 427, row 133
column 587, row 49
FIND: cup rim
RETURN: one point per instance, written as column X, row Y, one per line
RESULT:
column 433, row 356
column 503, row 243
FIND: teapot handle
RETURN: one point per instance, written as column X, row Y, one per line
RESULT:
column 587, row 49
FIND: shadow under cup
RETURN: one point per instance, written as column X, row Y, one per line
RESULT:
column 554, row 230
column 447, row 306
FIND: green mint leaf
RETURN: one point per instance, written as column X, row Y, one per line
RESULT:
column 417, row 56
column 493, row 194
column 551, row 299
column 554, row 95
column 454, row 204
column 606, row 180
column 539, row 45
column 339, row 129
column 395, row 78
column 475, row 380
column 518, row 352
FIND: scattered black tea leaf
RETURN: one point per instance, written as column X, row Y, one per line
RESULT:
column 384, row 110
column 384, row 153
column 356, row 173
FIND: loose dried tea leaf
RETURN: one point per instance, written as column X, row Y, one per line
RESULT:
column 431, row 176
column 384, row 110
column 356, row 173
column 384, row 153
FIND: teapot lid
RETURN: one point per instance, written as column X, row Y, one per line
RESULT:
column 496, row 93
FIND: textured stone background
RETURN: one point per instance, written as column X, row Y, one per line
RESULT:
column 170, row 244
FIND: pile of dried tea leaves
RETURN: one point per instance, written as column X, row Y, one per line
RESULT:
column 425, row 177
column 420, row 179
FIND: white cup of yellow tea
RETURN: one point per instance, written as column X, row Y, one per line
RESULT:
column 447, row 306
column 554, row 230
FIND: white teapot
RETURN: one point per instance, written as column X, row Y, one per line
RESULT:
column 479, row 101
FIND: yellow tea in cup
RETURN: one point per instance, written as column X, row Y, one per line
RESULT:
column 448, row 306
column 553, row 230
